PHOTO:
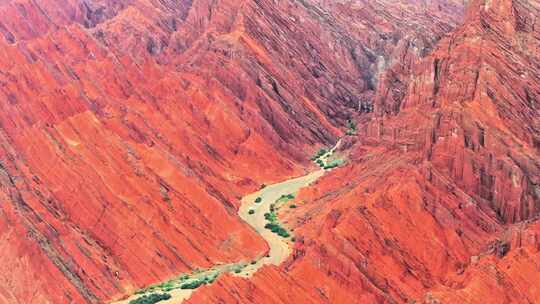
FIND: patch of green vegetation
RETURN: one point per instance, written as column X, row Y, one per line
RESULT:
column 333, row 164
column 258, row 200
column 196, row 283
column 273, row 224
column 238, row 268
column 285, row 198
column 210, row 279
column 151, row 298
column 277, row 229
column 293, row 206
column 319, row 153
column 193, row 284
column 204, row 276
column 322, row 152
column 166, row 286
column 351, row 128
column 271, row 217
column 251, row 211
column 144, row 290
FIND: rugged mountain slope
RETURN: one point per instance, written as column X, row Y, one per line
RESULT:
column 439, row 202
column 129, row 129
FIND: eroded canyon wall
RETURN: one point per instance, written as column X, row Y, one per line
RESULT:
column 439, row 202
column 130, row 129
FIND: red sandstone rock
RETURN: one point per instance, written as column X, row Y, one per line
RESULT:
column 120, row 167
column 439, row 200
column 129, row 130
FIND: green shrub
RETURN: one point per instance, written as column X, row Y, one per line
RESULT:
column 269, row 226
column 319, row 153
column 285, row 198
column 151, row 299
column 333, row 164
column 210, row 279
column 275, row 228
column 322, row 152
column 351, row 125
column 238, row 268
column 251, row 211
column 292, row 206
column 258, row 200
column 283, row 233
column 167, row 285
column 193, row 284
column 271, row 217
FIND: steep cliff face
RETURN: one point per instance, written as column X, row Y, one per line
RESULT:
column 129, row 129
column 439, row 202
column 483, row 87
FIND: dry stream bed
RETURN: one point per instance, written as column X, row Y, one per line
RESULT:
column 258, row 211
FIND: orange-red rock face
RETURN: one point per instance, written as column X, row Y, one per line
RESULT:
column 439, row 202
column 124, row 148
column 130, row 129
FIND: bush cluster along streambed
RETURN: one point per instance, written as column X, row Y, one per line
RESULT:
column 273, row 223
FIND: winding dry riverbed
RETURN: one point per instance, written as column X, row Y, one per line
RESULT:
column 280, row 247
